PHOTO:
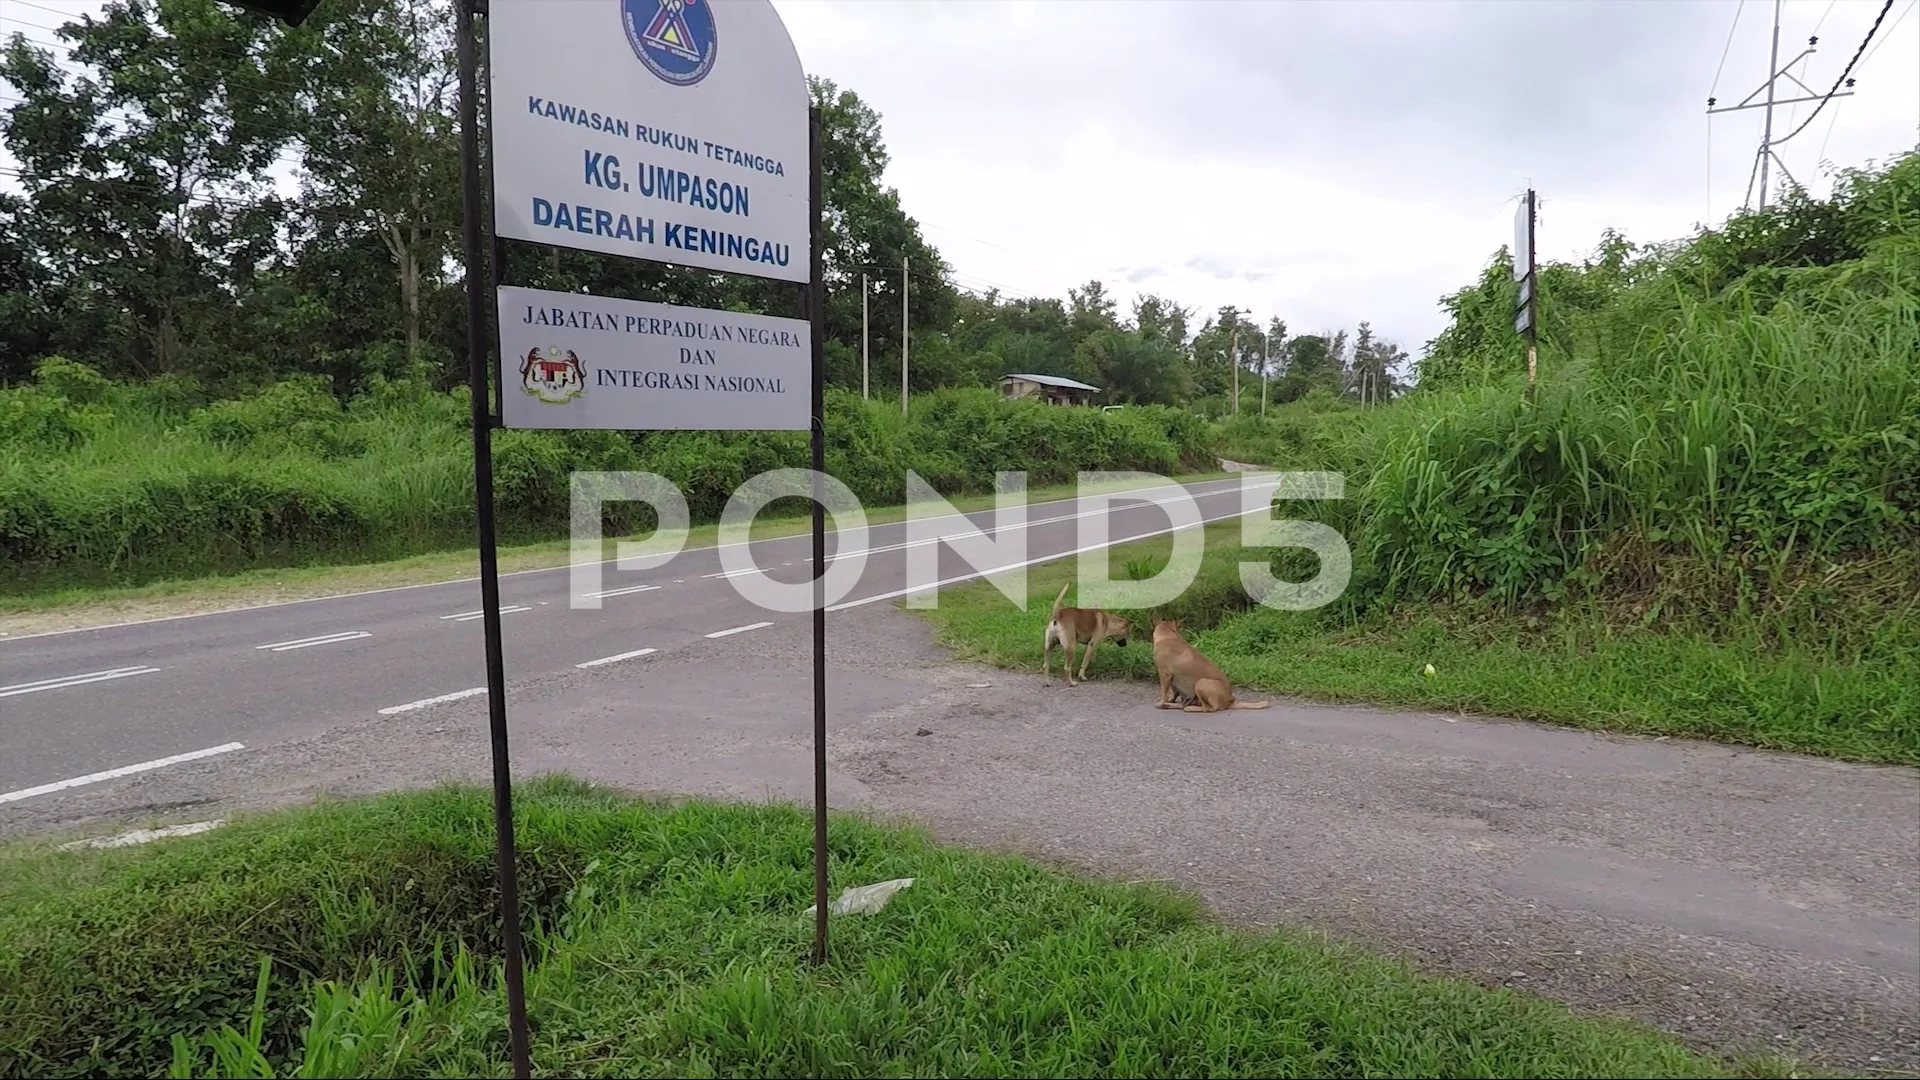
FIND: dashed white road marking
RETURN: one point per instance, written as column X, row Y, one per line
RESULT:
column 1195, row 489
column 469, row 616
column 739, row 629
column 115, row 774
column 733, row 573
column 65, row 681
column 604, row 593
column 976, row 574
column 424, row 702
column 324, row 639
column 617, row 657
column 142, row 836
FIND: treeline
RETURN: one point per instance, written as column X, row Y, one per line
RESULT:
column 151, row 242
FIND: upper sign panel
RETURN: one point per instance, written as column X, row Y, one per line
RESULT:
column 1523, row 237
column 668, row 130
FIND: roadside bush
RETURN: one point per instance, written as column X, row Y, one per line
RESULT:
column 96, row 981
column 127, row 484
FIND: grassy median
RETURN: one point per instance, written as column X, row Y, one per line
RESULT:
column 1570, row 666
column 672, row 941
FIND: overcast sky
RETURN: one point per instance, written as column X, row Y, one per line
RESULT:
column 1326, row 161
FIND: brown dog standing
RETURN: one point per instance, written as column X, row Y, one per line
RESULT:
column 1185, row 672
column 1072, row 626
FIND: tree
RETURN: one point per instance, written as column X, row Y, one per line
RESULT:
column 868, row 231
column 382, row 147
column 1313, row 361
column 146, row 178
column 27, row 322
column 1370, row 375
column 1133, row 368
column 1159, row 319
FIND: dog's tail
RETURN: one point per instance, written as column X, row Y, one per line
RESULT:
column 1062, row 596
column 1244, row 704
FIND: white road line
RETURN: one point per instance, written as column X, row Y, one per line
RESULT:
column 65, row 681
column 469, row 616
column 142, row 836
column 897, row 593
column 617, row 657
column 324, row 639
column 603, row 594
column 996, row 531
column 424, row 702
column 115, row 774
column 1196, row 489
column 739, row 629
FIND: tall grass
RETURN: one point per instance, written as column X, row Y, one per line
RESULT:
column 350, row 940
column 123, row 484
column 1733, row 457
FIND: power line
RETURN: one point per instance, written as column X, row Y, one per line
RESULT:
column 45, row 8
column 1823, row 17
column 1895, row 25
column 1727, row 49
column 1837, row 83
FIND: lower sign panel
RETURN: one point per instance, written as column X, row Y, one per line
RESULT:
column 573, row 361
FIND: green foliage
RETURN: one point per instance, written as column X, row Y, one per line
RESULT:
column 674, row 944
column 174, row 945
column 1755, row 432
column 115, row 487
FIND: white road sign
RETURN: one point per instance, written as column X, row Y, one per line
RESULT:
column 669, row 130
column 573, row 361
column 1523, row 237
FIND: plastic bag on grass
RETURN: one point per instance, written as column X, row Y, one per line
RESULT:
column 864, row 899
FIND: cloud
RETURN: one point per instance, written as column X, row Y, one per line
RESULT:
column 1323, row 162
column 1328, row 163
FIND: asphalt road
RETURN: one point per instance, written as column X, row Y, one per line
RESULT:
column 79, row 704
column 1747, row 900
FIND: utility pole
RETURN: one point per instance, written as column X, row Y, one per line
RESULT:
column 1266, row 361
column 1233, row 356
column 864, row 367
column 1766, row 132
column 903, row 335
column 1765, row 159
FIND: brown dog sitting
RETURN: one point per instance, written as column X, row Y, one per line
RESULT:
column 1070, row 626
column 1184, row 672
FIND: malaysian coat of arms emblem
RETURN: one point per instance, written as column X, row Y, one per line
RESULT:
column 553, row 375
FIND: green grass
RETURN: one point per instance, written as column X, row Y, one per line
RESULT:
column 58, row 607
column 1571, row 668
column 106, row 484
column 671, row 941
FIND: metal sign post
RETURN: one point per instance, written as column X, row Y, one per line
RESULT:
column 707, row 124
column 817, row 320
column 668, row 131
column 517, row 1035
column 1527, row 308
